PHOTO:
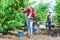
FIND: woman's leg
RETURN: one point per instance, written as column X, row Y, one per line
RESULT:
column 29, row 25
column 27, row 22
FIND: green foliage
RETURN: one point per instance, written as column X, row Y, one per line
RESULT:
column 42, row 13
column 57, row 9
column 10, row 16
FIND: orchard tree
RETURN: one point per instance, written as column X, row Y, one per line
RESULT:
column 10, row 16
column 42, row 13
column 57, row 9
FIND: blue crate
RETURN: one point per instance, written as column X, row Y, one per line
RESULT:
column 20, row 34
column 35, row 30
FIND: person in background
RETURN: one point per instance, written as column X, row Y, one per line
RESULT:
column 49, row 20
column 31, row 14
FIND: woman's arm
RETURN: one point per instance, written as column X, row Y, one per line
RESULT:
column 24, row 11
column 34, row 14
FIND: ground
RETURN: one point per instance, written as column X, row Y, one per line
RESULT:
column 42, row 35
column 35, row 37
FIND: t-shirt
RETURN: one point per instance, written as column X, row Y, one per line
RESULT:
column 50, row 18
column 30, row 14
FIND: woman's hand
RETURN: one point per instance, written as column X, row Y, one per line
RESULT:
column 21, row 10
column 30, row 17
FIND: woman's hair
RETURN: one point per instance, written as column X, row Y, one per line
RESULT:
column 32, row 7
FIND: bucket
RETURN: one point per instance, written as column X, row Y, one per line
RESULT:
column 47, row 26
column 20, row 34
column 35, row 30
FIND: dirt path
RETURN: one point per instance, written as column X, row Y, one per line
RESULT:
column 40, row 36
column 35, row 37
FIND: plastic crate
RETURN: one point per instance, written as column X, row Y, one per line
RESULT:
column 35, row 30
column 20, row 34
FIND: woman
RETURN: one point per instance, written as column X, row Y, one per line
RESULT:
column 30, row 16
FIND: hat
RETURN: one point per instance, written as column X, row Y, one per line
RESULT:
column 31, row 6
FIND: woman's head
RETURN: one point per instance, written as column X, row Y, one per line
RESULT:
column 31, row 8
